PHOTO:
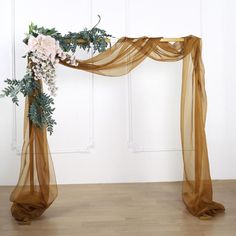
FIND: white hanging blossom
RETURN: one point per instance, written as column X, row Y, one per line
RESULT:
column 45, row 52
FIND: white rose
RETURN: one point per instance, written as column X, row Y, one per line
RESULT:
column 48, row 44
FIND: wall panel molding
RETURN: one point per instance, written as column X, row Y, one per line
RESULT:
column 132, row 145
column 15, row 145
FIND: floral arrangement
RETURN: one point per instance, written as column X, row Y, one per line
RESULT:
column 45, row 48
column 44, row 52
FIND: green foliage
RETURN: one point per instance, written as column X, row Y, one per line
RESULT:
column 29, row 85
column 12, row 90
column 40, row 111
column 95, row 38
column 26, row 86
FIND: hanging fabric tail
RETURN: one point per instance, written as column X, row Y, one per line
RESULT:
column 36, row 188
column 197, row 185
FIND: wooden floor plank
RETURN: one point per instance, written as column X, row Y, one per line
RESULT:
column 139, row 209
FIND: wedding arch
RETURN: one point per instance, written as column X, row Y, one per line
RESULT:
column 36, row 188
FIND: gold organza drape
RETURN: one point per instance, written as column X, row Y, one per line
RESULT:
column 36, row 188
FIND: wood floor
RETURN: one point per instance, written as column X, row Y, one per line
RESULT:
column 140, row 209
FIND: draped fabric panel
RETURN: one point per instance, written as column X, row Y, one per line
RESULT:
column 34, row 193
column 36, row 188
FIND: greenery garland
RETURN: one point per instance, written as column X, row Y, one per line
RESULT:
column 40, row 106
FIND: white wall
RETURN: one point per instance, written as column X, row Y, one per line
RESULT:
column 125, row 129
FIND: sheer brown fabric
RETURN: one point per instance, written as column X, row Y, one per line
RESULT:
column 124, row 56
column 36, row 188
column 31, row 198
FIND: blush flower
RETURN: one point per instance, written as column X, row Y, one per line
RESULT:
column 32, row 44
column 45, row 52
